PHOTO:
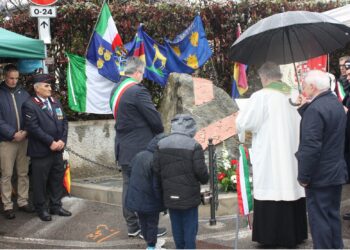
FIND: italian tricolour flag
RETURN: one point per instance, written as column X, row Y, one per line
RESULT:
column 245, row 201
column 106, row 28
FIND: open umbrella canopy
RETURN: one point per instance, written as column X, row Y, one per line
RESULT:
column 13, row 45
column 289, row 37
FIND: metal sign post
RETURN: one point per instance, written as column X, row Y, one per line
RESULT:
column 44, row 29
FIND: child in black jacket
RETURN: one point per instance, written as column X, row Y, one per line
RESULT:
column 144, row 194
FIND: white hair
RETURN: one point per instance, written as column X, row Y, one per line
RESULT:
column 319, row 78
column 36, row 85
column 332, row 81
column 133, row 64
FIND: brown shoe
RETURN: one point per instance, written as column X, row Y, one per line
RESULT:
column 27, row 209
column 9, row 214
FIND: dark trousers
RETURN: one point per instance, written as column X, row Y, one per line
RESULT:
column 184, row 225
column 132, row 221
column 323, row 206
column 48, row 172
column 149, row 227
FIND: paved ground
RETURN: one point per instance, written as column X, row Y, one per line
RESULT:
column 100, row 225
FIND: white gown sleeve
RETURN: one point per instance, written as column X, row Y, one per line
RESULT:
column 251, row 116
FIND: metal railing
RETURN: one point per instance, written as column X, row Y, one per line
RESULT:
column 214, row 194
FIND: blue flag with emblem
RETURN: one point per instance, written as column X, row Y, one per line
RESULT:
column 186, row 53
column 153, row 54
column 191, row 47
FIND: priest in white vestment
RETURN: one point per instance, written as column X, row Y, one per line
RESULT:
column 279, row 201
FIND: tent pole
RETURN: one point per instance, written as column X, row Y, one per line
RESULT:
column 45, row 70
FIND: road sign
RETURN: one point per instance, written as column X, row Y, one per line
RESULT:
column 44, row 29
column 43, row 2
column 41, row 11
column 49, row 61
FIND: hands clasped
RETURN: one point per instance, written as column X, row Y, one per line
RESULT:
column 20, row 136
column 57, row 145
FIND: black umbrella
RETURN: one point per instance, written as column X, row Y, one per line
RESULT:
column 288, row 37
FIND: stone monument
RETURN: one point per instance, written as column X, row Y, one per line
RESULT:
column 212, row 108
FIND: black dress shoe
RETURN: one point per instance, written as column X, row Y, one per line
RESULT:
column 346, row 216
column 27, row 209
column 9, row 214
column 44, row 216
column 61, row 212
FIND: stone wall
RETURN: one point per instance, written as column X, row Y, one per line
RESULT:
column 91, row 142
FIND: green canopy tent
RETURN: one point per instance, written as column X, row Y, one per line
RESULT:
column 13, row 45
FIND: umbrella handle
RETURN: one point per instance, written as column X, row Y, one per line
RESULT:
column 293, row 103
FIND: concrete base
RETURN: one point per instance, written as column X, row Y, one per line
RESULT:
column 86, row 189
column 108, row 189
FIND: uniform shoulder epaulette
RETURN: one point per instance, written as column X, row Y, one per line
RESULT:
column 37, row 101
column 52, row 99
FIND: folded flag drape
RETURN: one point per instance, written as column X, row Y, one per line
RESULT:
column 244, row 194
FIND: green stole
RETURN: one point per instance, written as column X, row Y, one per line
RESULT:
column 279, row 86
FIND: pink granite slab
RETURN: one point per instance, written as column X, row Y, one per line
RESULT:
column 203, row 91
column 219, row 131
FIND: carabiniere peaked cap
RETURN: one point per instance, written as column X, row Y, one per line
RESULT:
column 46, row 78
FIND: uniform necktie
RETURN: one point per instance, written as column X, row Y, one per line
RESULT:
column 48, row 107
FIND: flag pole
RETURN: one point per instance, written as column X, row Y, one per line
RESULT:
column 98, row 19
column 237, row 229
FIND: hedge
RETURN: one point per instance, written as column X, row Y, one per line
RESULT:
column 72, row 28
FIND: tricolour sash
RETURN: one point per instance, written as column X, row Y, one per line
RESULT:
column 114, row 102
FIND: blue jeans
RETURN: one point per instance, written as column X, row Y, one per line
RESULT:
column 184, row 225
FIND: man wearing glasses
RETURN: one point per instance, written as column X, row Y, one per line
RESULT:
column 343, row 85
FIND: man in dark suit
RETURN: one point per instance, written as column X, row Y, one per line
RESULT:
column 321, row 165
column 137, row 122
column 47, row 128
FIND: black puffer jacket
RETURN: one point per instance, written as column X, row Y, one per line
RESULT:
column 179, row 161
column 144, row 193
